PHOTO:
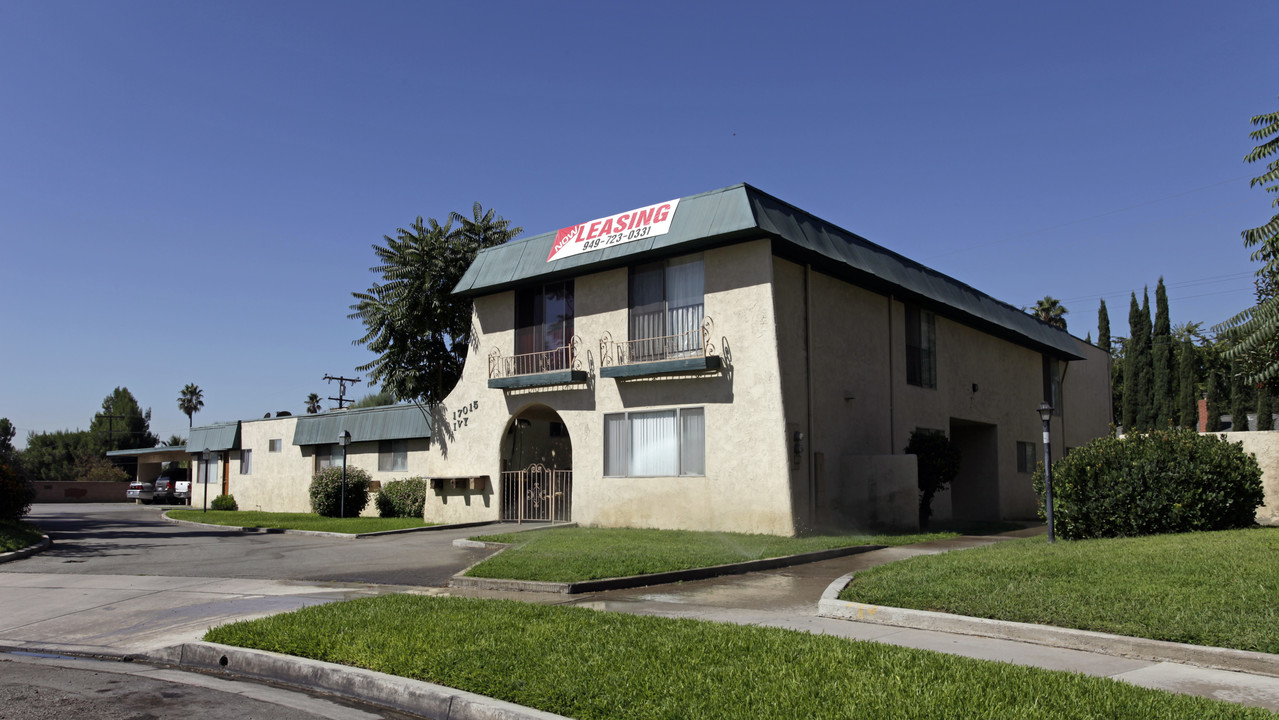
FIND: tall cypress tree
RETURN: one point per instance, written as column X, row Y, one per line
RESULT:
column 1163, row 396
column 1241, row 398
column 1103, row 342
column 1103, row 327
column 1265, row 410
column 1145, row 401
column 1212, row 401
column 1129, row 417
column 1187, row 403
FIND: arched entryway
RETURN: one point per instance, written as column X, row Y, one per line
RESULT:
column 537, row 467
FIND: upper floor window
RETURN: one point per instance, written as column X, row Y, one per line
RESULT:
column 921, row 347
column 544, row 321
column 666, row 308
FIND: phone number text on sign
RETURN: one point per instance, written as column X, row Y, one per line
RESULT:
column 615, row 238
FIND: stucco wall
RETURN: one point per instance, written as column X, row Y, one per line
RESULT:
column 745, row 487
column 986, row 395
column 72, row 492
column 1265, row 446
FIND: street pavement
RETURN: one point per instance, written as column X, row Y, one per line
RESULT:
column 118, row 581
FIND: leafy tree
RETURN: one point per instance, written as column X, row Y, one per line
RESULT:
column 1164, row 396
column 121, row 424
column 1265, row 410
column 313, row 404
column 190, row 401
column 378, row 399
column 7, row 433
column 1051, row 311
column 1187, row 398
column 938, row 464
column 1256, row 330
column 418, row 330
column 54, row 456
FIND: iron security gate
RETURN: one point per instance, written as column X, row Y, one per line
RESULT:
column 537, row 494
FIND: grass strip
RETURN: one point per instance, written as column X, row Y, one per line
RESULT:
column 1207, row 588
column 297, row 521
column 589, row 664
column 577, row 554
column 15, row 535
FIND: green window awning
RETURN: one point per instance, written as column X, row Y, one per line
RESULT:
column 396, row 422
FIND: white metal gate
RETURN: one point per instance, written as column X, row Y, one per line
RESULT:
column 537, row 494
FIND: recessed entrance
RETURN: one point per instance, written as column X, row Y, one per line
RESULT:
column 537, row 468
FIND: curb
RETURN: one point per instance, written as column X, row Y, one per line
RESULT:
column 402, row 694
column 1245, row 661
column 247, row 530
column 27, row 551
column 633, row 581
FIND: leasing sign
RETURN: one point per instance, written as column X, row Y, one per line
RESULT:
column 616, row 229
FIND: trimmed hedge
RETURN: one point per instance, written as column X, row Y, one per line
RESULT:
column 402, row 498
column 1166, row 481
column 326, row 491
column 224, row 503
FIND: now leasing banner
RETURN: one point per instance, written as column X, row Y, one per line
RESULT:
column 624, row 227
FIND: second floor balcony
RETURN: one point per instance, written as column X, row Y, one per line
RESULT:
column 681, row 352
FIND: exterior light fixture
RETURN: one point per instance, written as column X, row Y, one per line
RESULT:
column 344, row 439
column 1046, row 415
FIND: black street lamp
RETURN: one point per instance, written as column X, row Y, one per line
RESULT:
column 344, row 439
column 1046, row 415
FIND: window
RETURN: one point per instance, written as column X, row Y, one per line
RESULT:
column 1025, row 457
column 246, row 462
column 327, row 456
column 207, row 471
column 544, row 324
column 273, row 445
column 921, row 347
column 666, row 308
column 392, row 455
column 659, row 443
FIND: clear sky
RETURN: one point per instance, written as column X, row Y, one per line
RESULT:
column 189, row 191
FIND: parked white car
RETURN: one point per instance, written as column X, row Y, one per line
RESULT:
column 143, row 492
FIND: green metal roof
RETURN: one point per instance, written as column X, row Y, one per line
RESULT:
column 158, row 449
column 741, row 212
column 222, row 436
column 396, row 422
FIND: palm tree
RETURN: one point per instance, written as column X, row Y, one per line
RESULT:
column 1051, row 311
column 175, row 441
column 312, row 404
column 190, row 401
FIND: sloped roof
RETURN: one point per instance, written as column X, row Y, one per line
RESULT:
column 394, row 422
column 741, row 212
column 221, row 436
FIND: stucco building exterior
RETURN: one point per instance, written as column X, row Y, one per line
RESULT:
column 730, row 362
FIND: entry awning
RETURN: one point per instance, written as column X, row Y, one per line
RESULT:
column 223, row 436
column 158, row 454
column 396, row 422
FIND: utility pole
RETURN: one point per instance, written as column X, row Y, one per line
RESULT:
column 342, row 381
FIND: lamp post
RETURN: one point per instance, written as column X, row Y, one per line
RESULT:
column 344, row 439
column 207, row 457
column 1046, row 415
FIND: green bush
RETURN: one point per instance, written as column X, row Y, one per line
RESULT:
column 16, row 493
column 224, row 502
column 1166, row 481
column 326, row 491
column 937, row 460
column 402, row 498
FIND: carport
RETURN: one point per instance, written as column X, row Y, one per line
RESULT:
column 151, row 460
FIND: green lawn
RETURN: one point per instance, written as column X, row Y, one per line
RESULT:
column 577, row 554
column 297, row 521
column 15, row 535
column 588, row 664
column 1210, row 588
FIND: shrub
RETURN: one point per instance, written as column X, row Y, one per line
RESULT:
column 224, row 502
column 16, row 493
column 938, row 462
column 1166, row 481
column 326, row 491
column 402, row 498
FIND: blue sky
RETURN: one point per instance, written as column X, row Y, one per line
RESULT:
column 189, row 192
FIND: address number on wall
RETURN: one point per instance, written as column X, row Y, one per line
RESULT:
column 461, row 415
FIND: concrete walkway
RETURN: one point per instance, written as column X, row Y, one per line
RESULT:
column 161, row 618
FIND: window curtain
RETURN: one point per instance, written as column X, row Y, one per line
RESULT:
column 616, row 435
column 246, row 462
column 692, row 435
column 648, row 311
column 654, row 444
column 685, row 288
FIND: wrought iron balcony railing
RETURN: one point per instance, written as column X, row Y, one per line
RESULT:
column 567, row 357
column 695, row 343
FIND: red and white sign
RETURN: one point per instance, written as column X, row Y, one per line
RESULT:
column 616, row 229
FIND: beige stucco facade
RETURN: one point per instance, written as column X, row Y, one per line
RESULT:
column 805, row 422
column 1264, row 445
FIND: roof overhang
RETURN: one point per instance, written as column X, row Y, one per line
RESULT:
column 395, row 422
